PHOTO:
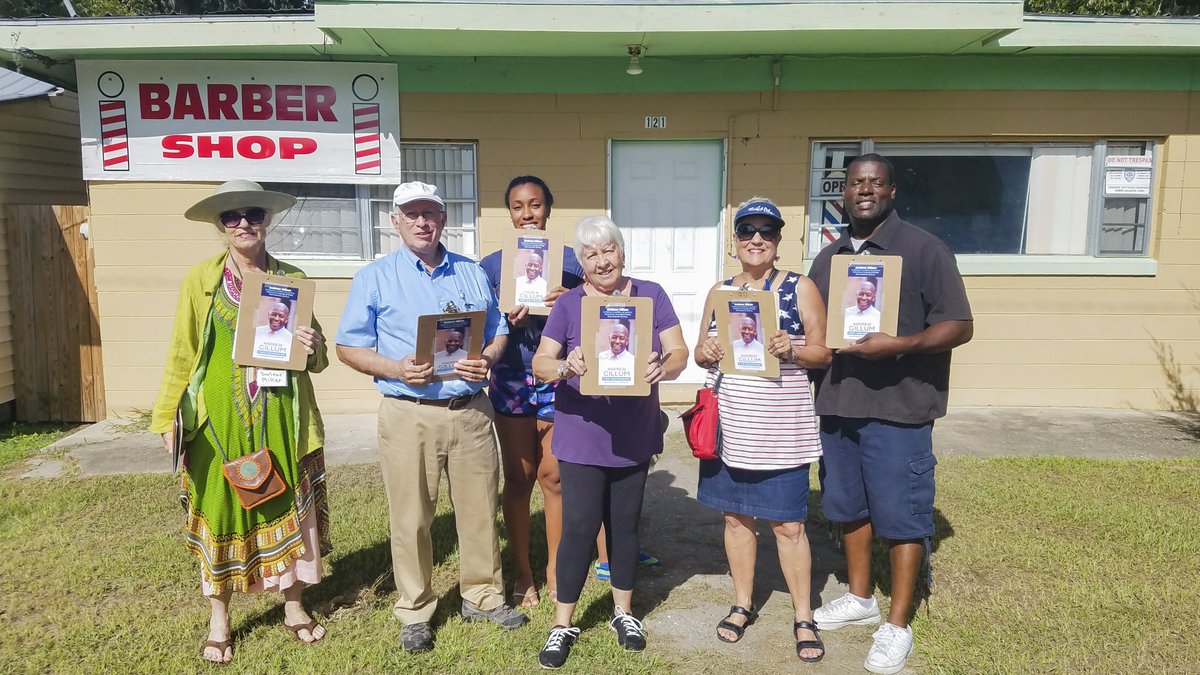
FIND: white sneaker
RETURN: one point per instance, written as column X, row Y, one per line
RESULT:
column 846, row 611
column 892, row 646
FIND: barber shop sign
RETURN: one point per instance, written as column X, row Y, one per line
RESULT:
column 261, row 120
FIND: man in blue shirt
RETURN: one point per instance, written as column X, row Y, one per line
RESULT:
column 427, row 426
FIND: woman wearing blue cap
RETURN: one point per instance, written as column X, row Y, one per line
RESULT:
column 769, row 433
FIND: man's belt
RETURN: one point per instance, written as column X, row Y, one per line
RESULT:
column 456, row 403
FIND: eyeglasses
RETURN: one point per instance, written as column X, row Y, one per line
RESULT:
column 414, row 216
column 254, row 216
column 746, row 231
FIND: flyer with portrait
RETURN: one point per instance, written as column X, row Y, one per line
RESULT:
column 864, row 297
column 530, row 265
column 444, row 339
column 617, row 340
column 746, row 320
column 272, row 307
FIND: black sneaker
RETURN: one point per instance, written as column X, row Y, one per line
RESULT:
column 558, row 647
column 630, row 633
column 416, row 637
column 503, row 615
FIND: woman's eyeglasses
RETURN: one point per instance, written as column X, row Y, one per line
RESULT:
column 254, row 216
column 746, row 231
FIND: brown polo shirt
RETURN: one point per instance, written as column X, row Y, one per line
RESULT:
column 910, row 388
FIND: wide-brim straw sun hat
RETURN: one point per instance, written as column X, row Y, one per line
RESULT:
column 238, row 194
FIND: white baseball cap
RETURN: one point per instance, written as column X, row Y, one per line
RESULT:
column 416, row 191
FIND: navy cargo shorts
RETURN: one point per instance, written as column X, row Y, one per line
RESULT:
column 878, row 470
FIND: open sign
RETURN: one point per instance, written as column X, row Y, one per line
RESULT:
column 832, row 184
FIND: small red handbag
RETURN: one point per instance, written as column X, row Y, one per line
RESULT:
column 702, row 423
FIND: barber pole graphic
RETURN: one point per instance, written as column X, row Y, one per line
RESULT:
column 833, row 213
column 114, row 136
column 366, row 139
column 833, row 218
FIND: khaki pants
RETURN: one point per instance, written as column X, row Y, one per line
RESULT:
column 416, row 443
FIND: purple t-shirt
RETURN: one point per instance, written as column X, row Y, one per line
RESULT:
column 606, row 430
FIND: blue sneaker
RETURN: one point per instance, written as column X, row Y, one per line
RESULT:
column 601, row 570
column 644, row 560
column 647, row 560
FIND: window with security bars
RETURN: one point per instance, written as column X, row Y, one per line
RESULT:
column 1002, row 198
column 352, row 222
column 1125, row 211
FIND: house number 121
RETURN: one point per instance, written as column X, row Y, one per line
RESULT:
column 656, row 121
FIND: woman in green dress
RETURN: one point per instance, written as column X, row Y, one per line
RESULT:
column 225, row 415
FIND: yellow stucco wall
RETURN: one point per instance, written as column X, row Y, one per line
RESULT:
column 1039, row 340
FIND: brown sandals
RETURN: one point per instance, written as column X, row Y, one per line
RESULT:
column 219, row 645
column 310, row 627
column 529, row 599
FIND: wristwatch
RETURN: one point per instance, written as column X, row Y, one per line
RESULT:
column 563, row 369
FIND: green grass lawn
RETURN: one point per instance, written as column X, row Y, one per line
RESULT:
column 1043, row 566
column 18, row 441
column 1066, row 565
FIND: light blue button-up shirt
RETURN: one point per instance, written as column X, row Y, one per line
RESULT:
column 387, row 296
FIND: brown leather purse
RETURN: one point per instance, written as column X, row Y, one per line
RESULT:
column 254, row 477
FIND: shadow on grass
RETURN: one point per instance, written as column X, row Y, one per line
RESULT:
column 363, row 577
column 688, row 538
column 829, row 559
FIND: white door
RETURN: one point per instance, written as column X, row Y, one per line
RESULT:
column 666, row 196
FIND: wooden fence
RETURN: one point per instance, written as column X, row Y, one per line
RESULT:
column 57, row 364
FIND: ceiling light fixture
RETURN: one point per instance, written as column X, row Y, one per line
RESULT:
column 635, row 66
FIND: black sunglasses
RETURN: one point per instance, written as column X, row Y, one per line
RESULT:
column 746, row 231
column 254, row 216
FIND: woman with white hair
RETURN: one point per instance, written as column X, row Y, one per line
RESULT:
column 603, row 443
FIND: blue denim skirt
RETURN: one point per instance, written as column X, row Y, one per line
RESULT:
column 780, row 495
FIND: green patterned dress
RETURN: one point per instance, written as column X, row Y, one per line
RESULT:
column 239, row 547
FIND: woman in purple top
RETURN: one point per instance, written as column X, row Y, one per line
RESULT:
column 603, row 443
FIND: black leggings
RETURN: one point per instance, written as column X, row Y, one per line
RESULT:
column 592, row 495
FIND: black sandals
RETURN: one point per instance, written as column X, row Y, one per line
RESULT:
column 801, row 645
column 750, row 614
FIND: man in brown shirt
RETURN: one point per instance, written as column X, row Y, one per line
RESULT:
column 877, row 403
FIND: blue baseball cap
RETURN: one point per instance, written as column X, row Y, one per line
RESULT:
column 759, row 207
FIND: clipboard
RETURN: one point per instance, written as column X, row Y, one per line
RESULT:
column 262, row 340
column 527, row 253
column 617, row 338
column 438, row 333
column 741, row 314
column 177, row 435
column 864, row 297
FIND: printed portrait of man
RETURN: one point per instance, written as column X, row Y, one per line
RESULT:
column 531, row 285
column 617, row 362
column 443, row 361
column 273, row 340
column 864, row 301
column 862, row 317
column 747, row 348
